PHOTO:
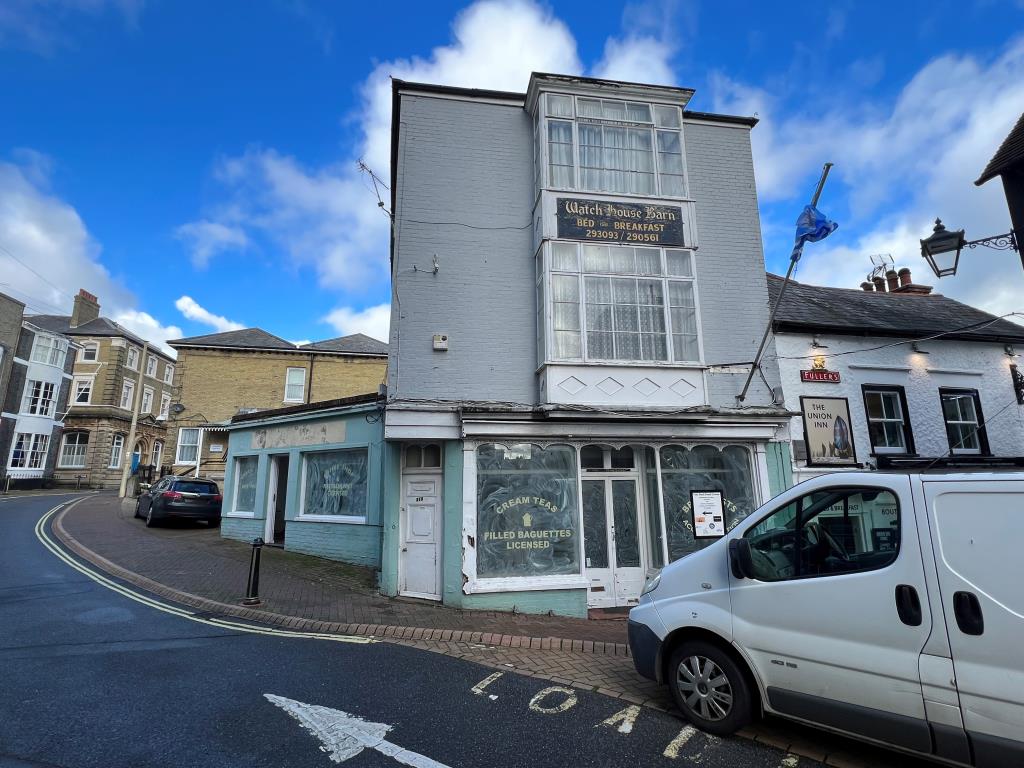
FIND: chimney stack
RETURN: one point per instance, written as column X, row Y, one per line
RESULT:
column 866, row 286
column 86, row 309
column 892, row 280
column 879, row 283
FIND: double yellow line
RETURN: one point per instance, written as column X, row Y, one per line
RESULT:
column 59, row 552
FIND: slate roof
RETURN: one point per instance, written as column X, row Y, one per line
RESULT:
column 812, row 308
column 356, row 343
column 1010, row 153
column 257, row 338
column 323, row 405
column 101, row 326
column 247, row 338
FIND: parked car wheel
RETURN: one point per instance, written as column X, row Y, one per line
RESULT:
column 150, row 520
column 710, row 688
column 138, row 508
column 215, row 523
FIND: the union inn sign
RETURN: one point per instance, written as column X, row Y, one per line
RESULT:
column 626, row 223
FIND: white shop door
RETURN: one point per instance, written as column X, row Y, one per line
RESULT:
column 612, row 542
column 420, row 559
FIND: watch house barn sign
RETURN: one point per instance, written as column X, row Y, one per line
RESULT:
column 629, row 223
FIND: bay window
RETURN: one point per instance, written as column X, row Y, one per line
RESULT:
column 608, row 145
column 49, row 350
column 619, row 303
column 38, row 398
column 29, row 451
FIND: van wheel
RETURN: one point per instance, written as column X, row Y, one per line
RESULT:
column 710, row 688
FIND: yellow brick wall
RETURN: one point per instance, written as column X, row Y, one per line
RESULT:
column 213, row 384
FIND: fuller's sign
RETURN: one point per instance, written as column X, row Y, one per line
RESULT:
column 819, row 374
column 626, row 223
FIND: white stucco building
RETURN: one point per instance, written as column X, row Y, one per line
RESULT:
column 851, row 355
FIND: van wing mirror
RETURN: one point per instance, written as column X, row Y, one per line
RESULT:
column 741, row 560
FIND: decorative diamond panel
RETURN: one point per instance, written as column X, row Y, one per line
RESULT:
column 572, row 385
column 683, row 388
column 646, row 387
column 609, row 386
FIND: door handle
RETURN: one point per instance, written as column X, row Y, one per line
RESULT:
column 967, row 610
column 908, row 605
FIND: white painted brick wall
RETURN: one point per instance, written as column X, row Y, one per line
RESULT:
column 983, row 366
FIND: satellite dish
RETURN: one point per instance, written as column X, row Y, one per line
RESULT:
column 177, row 408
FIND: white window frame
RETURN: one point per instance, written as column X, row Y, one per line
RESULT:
column 147, row 400
column 182, row 444
column 88, row 382
column 546, row 263
column 33, row 453
column 977, row 424
column 116, row 451
column 44, row 403
column 168, row 374
column 883, row 391
column 83, row 448
column 49, row 350
column 235, row 511
column 287, row 383
column 156, row 454
column 87, row 347
column 165, row 406
column 349, row 519
column 151, row 366
column 543, row 144
column 127, row 395
column 132, row 358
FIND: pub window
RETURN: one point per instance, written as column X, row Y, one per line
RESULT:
column 703, row 468
column 611, row 302
column 334, row 485
column 623, row 146
column 527, row 515
column 965, row 431
column 888, row 420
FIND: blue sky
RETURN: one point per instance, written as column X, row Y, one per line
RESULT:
column 194, row 164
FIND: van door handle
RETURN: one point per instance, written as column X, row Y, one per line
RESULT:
column 967, row 610
column 908, row 605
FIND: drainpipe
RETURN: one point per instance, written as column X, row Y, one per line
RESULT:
column 129, row 448
column 309, row 389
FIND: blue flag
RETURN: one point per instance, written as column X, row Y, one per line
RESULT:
column 811, row 227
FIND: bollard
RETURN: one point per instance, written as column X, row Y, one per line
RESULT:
column 78, row 482
column 252, row 590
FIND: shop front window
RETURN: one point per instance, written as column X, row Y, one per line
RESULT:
column 527, row 516
column 703, row 468
column 245, row 483
column 335, row 484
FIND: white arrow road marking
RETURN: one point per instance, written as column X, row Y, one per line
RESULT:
column 344, row 736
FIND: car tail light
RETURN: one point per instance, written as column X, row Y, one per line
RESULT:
column 217, row 497
column 172, row 495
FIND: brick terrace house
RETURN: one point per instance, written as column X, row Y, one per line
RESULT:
column 221, row 375
column 112, row 369
column 35, row 381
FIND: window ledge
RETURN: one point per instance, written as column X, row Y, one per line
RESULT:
column 349, row 519
column 244, row 515
column 526, row 583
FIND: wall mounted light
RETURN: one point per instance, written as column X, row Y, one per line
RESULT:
column 1010, row 351
column 914, row 346
column 816, row 344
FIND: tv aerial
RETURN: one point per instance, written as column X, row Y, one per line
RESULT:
column 880, row 263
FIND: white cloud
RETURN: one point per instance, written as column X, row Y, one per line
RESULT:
column 372, row 321
column 639, row 59
column 39, row 25
column 191, row 309
column 208, row 238
column 900, row 165
column 47, row 254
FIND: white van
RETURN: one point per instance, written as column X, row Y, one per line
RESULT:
column 889, row 607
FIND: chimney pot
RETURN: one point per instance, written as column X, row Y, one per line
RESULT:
column 892, row 280
column 879, row 283
column 905, row 277
column 866, row 286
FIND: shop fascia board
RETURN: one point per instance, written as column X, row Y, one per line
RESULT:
column 629, row 430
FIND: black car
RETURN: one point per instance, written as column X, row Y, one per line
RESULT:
column 185, row 498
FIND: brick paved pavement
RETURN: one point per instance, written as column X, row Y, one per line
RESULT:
column 195, row 559
column 320, row 595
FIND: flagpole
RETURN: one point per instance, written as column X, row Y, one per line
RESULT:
column 793, row 259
